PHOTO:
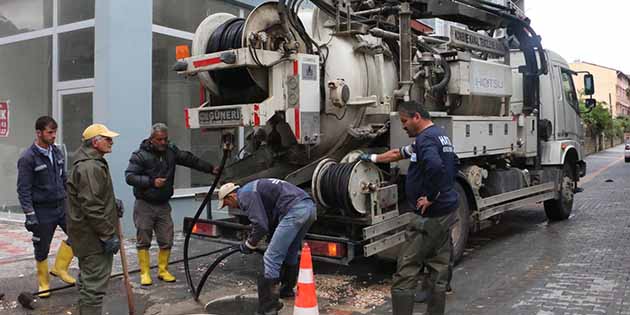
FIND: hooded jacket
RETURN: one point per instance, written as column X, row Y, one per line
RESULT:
column 91, row 215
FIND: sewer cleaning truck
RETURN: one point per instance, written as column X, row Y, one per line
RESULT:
column 313, row 85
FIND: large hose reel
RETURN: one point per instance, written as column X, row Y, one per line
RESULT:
column 224, row 32
column 347, row 186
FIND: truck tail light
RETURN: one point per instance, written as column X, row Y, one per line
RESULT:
column 205, row 229
column 328, row 249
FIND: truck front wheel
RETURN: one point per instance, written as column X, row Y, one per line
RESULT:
column 560, row 208
column 460, row 230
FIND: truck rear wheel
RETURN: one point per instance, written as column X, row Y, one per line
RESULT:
column 560, row 208
column 460, row 230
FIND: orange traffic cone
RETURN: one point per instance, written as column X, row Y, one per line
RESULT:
column 306, row 298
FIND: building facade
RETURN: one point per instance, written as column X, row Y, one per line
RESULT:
column 611, row 87
column 106, row 61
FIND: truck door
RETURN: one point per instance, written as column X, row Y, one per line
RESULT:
column 572, row 126
column 558, row 104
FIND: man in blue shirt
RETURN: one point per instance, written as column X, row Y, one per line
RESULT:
column 286, row 212
column 42, row 195
column 429, row 188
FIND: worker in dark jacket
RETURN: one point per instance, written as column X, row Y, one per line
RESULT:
column 287, row 212
column 42, row 194
column 151, row 172
column 430, row 191
column 92, row 216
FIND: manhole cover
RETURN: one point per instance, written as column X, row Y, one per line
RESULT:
column 233, row 304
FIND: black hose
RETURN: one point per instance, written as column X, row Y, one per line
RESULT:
column 226, row 153
column 334, row 186
column 210, row 269
column 447, row 76
column 229, row 36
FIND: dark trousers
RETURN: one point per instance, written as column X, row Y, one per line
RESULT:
column 148, row 218
column 93, row 279
column 427, row 245
column 43, row 235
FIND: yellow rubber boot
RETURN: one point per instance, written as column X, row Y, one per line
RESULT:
column 145, row 267
column 60, row 269
column 163, row 273
column 42, row 278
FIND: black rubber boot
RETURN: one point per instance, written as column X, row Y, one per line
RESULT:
column 268, row 303
column 288, row 279
column 402, row 302
column 437, row 301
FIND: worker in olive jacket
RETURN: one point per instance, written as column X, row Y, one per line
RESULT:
column 151, row 172
column 92, row 216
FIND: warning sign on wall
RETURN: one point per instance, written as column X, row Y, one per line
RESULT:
column 4, row 119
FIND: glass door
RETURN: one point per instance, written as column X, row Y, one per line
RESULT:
column 75, row 111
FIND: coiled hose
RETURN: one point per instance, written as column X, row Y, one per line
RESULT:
column 334, row 186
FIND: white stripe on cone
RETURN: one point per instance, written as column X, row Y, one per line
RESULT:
column 305, row 276
column 305, row 311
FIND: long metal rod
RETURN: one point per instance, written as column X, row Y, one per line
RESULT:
column 123, row 258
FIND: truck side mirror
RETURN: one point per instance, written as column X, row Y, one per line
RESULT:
column 590, row 102
column 589, row 84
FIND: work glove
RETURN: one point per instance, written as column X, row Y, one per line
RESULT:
column 112, row 245
column 246, row 248
column 366, row 157
column 120, row 207
column 31, row 222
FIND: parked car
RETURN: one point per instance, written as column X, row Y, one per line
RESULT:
column 627, row 153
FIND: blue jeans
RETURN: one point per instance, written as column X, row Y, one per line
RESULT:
column 287, row 239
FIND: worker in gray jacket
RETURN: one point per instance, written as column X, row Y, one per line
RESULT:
column 287, row 212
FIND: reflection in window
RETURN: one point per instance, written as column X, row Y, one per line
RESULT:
column 76, row 112
column 186, row 15
column 569, row 89
column 171, row 95
column 76, row 55
column 71, row 11
column 20, row 16
column 25, row 80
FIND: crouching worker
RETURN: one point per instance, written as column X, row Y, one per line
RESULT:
column 288, row 211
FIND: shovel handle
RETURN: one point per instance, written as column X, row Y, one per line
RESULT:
column 123, row 258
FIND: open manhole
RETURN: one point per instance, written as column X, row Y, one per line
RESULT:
column 233, row 304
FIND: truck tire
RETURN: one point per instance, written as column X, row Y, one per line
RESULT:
column 560, row 208
column 461, row 229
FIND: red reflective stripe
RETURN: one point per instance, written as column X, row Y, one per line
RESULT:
column 295, row 67
column 202, row 94
column 296, row 112
column 256, row 117
column 206, row 62
column 187, row 118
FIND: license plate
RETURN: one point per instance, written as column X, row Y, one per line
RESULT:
column 220, row 117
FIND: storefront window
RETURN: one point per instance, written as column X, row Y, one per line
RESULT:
column 171, row 95
column 76, row 55
column 25, row 80
column 71, row 11
column 186, row 15
column 21, row 16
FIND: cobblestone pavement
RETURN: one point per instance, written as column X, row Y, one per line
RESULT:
column 524, row 265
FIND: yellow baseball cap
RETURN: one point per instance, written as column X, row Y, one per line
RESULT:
column 98, row 130
column 224, row 191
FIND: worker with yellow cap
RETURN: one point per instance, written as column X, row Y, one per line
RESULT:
column 92, row 216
